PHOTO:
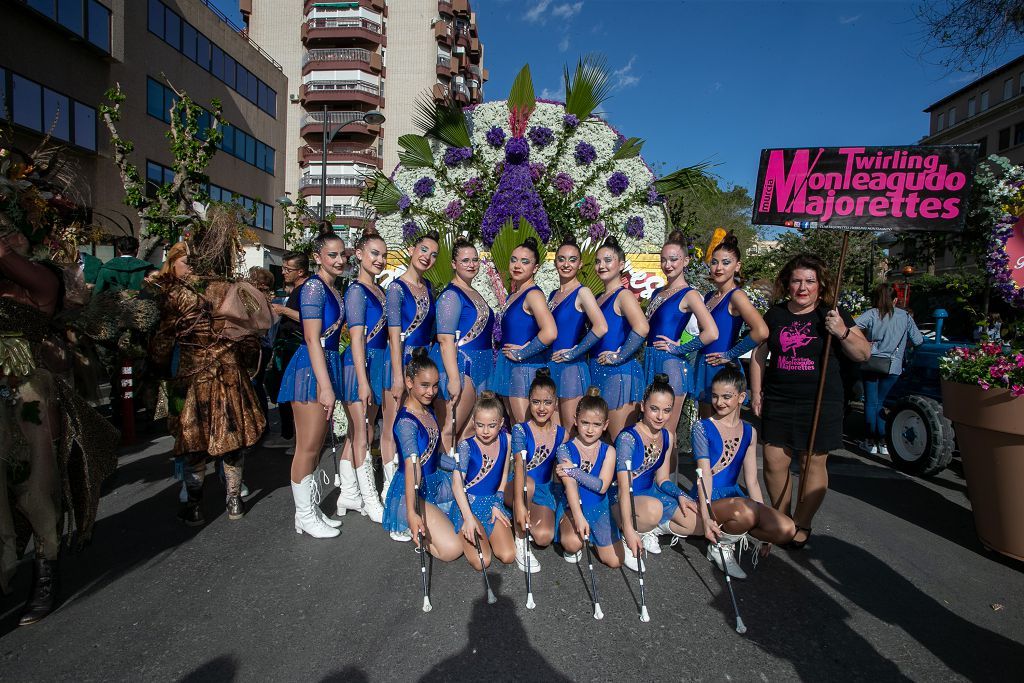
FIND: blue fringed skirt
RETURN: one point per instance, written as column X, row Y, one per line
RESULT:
column 544, row 492
column 299, row 383
column 719, row 492
column 571, row 379
column 704, row 376
column 437, row 490
column 375, row 373
column 668, row 503
column 387, row 378
column 603, row 530
column 679, row 370
column 619, row 384
column 481, row 507
column 476, row 365
column 512, row 379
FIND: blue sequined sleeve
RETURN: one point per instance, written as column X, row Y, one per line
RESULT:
column 311, row 299
column 355, row 306
column 563, row 456
column 699, row 441
column 625, row 444
column 407, row 432
column 394, row 308
column 462, row 463
column 518, row 438
column 449, row 310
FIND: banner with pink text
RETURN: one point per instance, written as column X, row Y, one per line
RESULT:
column 873, row 188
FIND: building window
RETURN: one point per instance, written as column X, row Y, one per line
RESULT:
column 188, row 41
column 1004, row 139
column 230, row 69
column 156, row 17
column 27, row 99
column 941, row 123
column 70, row 15
column 952, row 116
column 1018, row 134
column 984, row 100
column 1008, row 89
column 172, row 29
column 155, row 99
column 216, row 61
column 1021, row 83
column 57, row 114
column 970, row 107
column 203, row 51
column 47, row 7
column 85, row 126
column 983, row 145
column 99, row 25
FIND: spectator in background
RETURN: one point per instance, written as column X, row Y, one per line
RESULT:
column 295, row 270
column 889, row 329
column 263, row 280
column 124, row 271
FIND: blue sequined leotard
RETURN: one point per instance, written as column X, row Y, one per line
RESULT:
column 726, row 458
column 482, row 477
column 413, row 316
column 318, row 301
column 667, row 320
column 644, row 462
column 539, row 461
column 573, row 378
column 619, row 384
column 364, row 307
column 513, row 378
column 468, row 316
column 416, row 435
column 729, row 327
column 596, row 506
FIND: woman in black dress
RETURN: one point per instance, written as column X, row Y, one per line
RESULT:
column 784, row 381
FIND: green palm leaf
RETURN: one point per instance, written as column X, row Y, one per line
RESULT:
column 509, row 238
column 441, row 273
column 416, row 152
column 588, row 271
column 693, row 181
column 588, row 87
column 521, row 101
column 442, row 121
column 629, row 149
column 380, row 193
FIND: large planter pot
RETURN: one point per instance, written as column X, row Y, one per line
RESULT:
column 990, row 431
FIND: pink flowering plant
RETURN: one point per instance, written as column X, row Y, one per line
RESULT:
column 987, row 365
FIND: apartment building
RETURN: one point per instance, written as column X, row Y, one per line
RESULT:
column 345, row 60
column 59, row 57
column 988, row 112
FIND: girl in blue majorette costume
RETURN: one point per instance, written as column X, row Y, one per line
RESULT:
column 363, row 374
column 410, row 315
column 580, row 324
column 731, row 309
column 313, row 379
column 670, row 310
column 534, row 443
column 416, row 504
column 478, row 486
column 464, row 350
column 527, row 330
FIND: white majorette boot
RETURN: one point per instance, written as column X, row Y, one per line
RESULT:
column 522, row 551
column 727, row 541
column 650, row 540
column 348, row 492
column 307, row 518
column 389, row 473
column 368, row 492
column 629, row 560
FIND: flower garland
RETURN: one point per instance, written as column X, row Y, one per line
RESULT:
column 998, row 261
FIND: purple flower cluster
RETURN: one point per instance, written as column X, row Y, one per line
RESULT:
column 515, row 198
column 585, row 153
column 597, row 231
column 453, row 210
column 517, row 150
column 617, row 183
column 541, row 136
column 537, row 171
column 589, row 208
column 635, row 227
column 404, row 202
column 564, row 183
column 495, row 137
column 456, row 155
column 571, row 120
column 472, row 186
column 652, row 196
column 998, row 262
column 409, row 230
column 424, row 187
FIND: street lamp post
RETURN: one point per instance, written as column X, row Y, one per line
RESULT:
column 372, row 118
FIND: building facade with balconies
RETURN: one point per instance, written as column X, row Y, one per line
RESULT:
column 346, row 59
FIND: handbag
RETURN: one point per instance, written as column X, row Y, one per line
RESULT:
column 880, row 365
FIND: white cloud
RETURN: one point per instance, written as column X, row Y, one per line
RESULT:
column 563, row 44
column 848, row 20
column 716, row 86
column 556, row 94
column 624, row 77
column 567, row 10
column 536, row 13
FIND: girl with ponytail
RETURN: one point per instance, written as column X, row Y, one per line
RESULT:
column 575, row 310
column 670, row 310
column 613, row 366
column 410, row 316
column 528, row 329
column 730, row 308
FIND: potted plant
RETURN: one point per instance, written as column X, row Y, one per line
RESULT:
column 983, row 395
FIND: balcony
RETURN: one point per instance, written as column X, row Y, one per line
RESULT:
column 342, row 28
column 337, row 185
column 340, row 152
column 440, row 92
column 461, row 7
column 340, row 91
column 312, row 124
column 373, row 5
column 443, row 33
column 474, row 46
column 340, row 59
column 461, row 94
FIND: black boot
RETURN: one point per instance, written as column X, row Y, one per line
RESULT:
column 235, row 507
column 192, row 511
column 44, row 591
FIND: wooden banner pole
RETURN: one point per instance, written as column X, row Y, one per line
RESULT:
column 824, row 370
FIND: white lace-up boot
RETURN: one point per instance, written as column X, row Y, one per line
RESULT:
column 629, row 559
column 307, row 514
column 728, row 542
column 522, row 551
column 650, row 540
column 348, row 492
column 573, row 558
column 368, row 492
column 389, row 473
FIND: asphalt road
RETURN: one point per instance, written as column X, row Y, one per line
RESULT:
column 894, row 585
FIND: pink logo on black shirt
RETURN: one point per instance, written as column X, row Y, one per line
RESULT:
column 792, row 337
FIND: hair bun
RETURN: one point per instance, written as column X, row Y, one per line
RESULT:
column 611, row 241
column 676, row 236
column 531, row 242
column 730, row 240
column 486, row 395
column 660, row 378
column 325, row 229
column 543, row 372
column 370, row 232
column 430, row 235
column 421, row 353
column 569, row 241
column 593, row 392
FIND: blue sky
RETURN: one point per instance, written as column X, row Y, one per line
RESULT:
column 718, row 81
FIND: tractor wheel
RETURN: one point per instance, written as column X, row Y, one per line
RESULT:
column 919, row 436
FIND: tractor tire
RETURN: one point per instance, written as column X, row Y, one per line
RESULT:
column 920, row 438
